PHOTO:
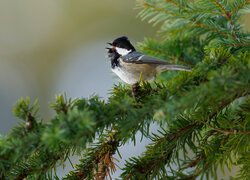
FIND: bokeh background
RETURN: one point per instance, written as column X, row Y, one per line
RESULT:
column 52, row 47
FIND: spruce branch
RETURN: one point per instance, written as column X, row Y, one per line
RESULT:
column 244, row 161
column 209, row 18
column 127, row 113
column 157, row 155
column 229, row 132
column 62, row 104
column 98, row 160
column 175, row 140
column 51, row 133
column 228, row 16
column 27, row 112
column 21, row 139
column 40, row 154
column 236, row 6
column 222, row 88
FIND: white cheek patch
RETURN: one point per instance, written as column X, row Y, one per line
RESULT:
column 122, row 51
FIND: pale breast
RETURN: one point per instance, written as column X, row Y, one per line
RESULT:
column 132, row 73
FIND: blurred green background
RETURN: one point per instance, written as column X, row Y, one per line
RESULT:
column 50, row 47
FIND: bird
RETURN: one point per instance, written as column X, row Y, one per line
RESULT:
column 132, row 66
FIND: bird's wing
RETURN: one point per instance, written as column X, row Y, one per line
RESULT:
column 139, row 58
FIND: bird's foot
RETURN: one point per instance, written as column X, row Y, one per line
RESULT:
column 135, row 88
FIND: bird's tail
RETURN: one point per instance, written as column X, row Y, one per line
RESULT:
column 172, row 67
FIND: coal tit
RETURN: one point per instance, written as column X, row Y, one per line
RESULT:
column 132, row 66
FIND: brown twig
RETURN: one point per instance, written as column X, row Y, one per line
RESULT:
column 229, row 132
column 228, row 17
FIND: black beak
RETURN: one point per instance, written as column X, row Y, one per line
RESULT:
column 110, row 50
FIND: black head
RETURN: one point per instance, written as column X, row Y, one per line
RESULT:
column 123, row 42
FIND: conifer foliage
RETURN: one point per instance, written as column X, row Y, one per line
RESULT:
column 203, row 115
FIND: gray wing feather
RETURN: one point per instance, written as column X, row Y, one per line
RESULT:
column 139, row 58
